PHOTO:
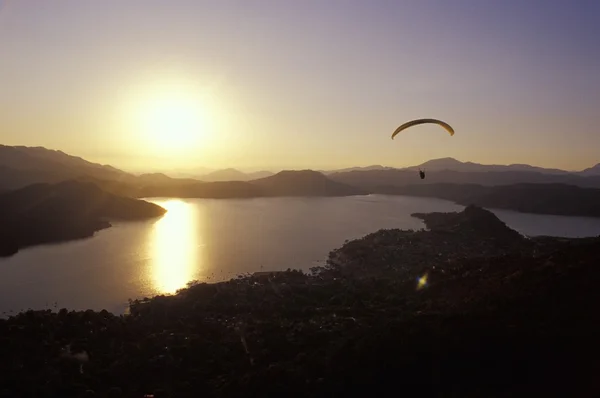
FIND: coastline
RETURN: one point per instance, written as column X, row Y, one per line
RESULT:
column 401, row 303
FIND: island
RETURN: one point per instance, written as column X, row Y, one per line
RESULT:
column 51, row 213
column 463, row 307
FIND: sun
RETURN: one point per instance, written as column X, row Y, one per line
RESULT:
column 174, row 119
column 174, row 123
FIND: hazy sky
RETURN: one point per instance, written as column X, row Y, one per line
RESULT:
column 302, row 84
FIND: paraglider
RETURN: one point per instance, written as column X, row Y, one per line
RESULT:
column 416, row 122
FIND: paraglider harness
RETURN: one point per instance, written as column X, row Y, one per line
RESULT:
column 421, row 174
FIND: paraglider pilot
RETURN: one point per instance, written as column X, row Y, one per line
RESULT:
column 421, row 174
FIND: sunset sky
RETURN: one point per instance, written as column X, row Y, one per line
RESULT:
column 256, row 84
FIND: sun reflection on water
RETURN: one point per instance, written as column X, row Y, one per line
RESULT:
column 175, row 247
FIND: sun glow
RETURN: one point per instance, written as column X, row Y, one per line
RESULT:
column 174, row 123
column 172, row 117
column 175, row 249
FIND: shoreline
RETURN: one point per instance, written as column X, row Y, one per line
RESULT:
column 9, row 253
column 468, row 290
column 118, row 309
column 428, row 228
column 455, row 202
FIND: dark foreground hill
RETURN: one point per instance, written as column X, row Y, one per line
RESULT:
column 411, row 313
column 558, row 199
column 45, row 213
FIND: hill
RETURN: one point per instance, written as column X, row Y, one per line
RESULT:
column 557, row 199
column 45, row 213
column 473, row 223
column 303, row 183
column 592, row 171
column 21, row 166
column 435, row 312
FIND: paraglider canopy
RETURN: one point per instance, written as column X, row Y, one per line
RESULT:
column 415, row 122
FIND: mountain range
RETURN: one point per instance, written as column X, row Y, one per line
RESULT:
column 376, row 180
column 451, row 164
column 21, row 166
column 284, row 183
column 443, row 164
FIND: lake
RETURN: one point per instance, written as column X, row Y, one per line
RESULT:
column 217, row 239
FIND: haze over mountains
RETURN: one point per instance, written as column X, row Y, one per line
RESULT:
column 451, row 164
column 233, row 175
column 449, row 170
column 55, row 163
column 21, row 166
column 592, row 171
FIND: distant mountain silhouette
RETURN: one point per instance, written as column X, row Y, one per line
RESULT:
column 285, row 183
column 154, row 178
column 364, row 168
column 456, row 165
column 22, row 157
column 557, row 199
column 374, row 179
column 592, row 171
column 233, row 175
column 304, row 183
column 195, row 173
column 160, row 178
column 255, row 175
column 21, row 166
column 443, row 164
column 44, row 213
column 225, row 175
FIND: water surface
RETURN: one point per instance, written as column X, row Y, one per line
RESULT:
column 216, row 239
